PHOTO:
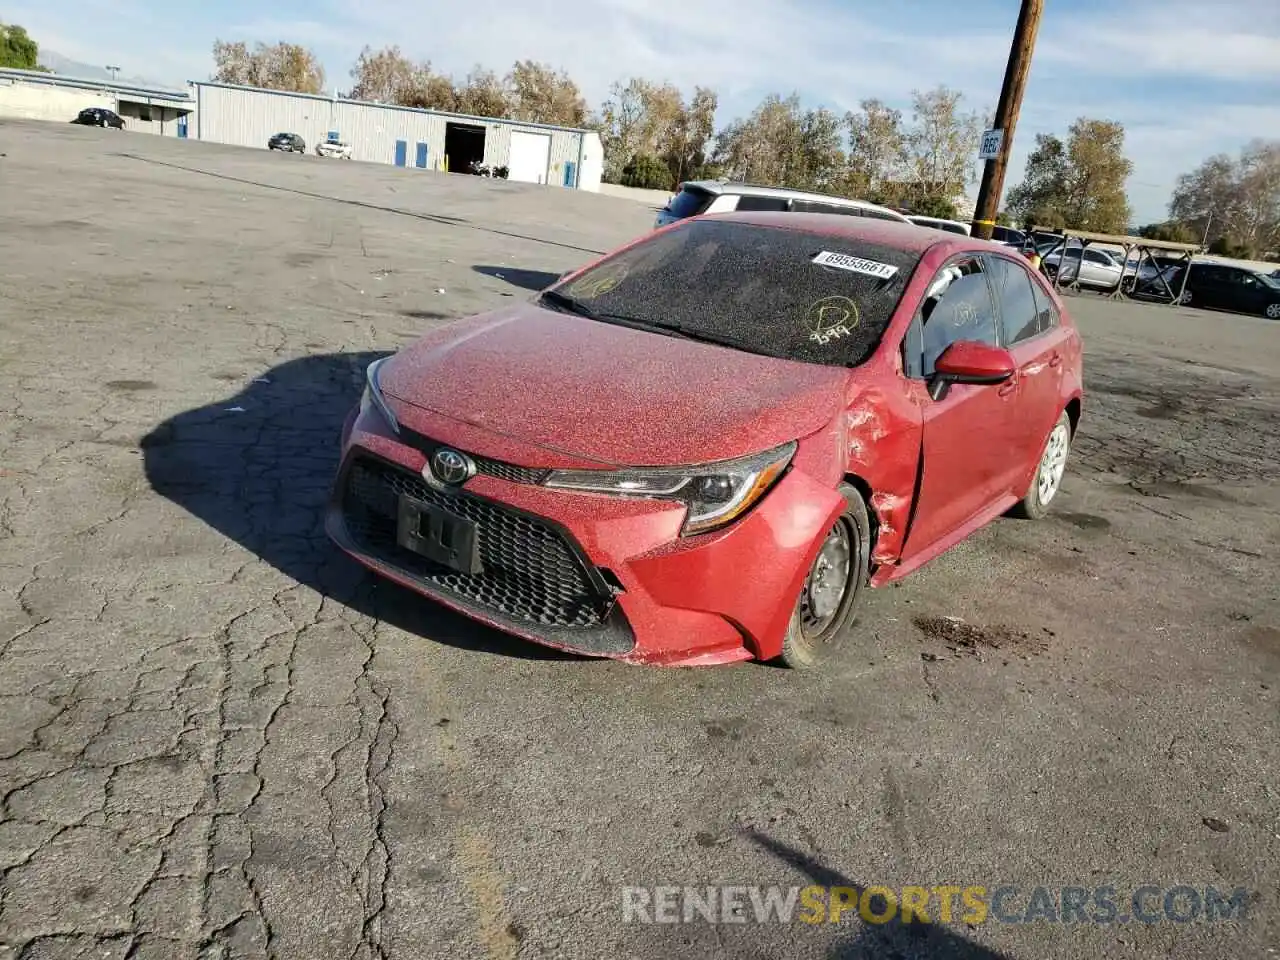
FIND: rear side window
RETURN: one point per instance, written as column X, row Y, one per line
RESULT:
column 1005, row 235
column 1046, row 312
column 1012, row 285
column 770, row 204
column 689, row 202
column 811, row 206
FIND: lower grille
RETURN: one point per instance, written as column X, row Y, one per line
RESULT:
column 532, row 576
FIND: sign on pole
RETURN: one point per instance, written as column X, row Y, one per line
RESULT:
column 992, row 141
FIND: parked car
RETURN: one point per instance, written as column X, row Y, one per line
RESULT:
column 99, row 117
column 334, row 148
column 1227, row 287
column 288, row 142
column 1087, row 266
column 713, row 196
column 743, row 421
column 1008, row 236
column 937, row 223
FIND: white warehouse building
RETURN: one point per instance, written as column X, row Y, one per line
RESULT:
column 404, row 136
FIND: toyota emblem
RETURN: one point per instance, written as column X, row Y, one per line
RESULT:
column 452, row 467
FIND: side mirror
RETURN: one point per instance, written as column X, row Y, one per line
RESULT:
column 968, row 361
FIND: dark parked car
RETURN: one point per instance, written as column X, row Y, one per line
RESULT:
column 288, row 142
column 1228, row 287
column 99, row 117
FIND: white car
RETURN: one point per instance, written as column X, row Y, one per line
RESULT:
column 334, row 148
column 717, row 196
column 937, row 223
column 1096, row 268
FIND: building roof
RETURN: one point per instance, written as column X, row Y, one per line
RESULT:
column 126, row 91
column 1122, row 240
column 329, row 98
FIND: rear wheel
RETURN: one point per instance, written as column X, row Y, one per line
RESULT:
column 829, row 598
column 1049, row 471
column 1273, row 311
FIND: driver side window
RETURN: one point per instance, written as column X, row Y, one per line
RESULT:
column 957, row 306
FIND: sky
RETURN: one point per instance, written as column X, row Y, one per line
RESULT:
column 1187, row 78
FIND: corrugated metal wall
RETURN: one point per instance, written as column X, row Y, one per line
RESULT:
column 248, row 117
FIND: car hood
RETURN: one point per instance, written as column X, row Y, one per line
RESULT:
column 609, row 394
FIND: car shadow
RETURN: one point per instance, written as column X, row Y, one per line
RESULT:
column 258, row 467
column 885, row 941
column 535, row 280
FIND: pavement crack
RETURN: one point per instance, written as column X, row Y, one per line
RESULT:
column 927, row 675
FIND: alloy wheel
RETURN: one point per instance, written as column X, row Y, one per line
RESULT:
column 1273, row 311
column 827, row 585
column 1053, row 464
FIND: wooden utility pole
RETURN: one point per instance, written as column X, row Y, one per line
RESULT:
column 1015, row 82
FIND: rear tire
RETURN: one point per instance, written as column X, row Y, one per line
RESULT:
column 818, row 632
column 1049, row 472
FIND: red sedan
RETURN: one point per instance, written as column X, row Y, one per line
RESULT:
column 702, row 447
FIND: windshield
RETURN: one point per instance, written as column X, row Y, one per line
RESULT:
column 1269, row 279
column 779, row 292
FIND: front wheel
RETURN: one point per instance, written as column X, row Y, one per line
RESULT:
column 1049, row 471
column 829, row 598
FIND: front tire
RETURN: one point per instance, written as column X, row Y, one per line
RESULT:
column 829, row 597
column 1049, row 471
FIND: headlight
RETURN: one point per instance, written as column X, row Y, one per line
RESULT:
column 372, row 396
column 715, row 493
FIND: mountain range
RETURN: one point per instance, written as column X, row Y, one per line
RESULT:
column 57, row 63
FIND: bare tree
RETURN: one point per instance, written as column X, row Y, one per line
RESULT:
column 541, row 95
column 281, row 66
column 388, row 76
column 781, row 143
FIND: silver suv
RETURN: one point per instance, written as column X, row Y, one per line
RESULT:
column 714, row 196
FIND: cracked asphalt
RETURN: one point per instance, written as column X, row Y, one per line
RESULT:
column 220, row 739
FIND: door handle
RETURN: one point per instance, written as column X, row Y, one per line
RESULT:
column 1007, row 387
column 1055, row 360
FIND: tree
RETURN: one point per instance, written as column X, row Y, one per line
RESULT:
column 646, row 172
column 282, row 66
column 388, row 76
column 1096, row 173
column 877, row 145
column 641, row 118
column 1171, row 231
column 17, row 50
column 782, row 144
column 541, row 95
column 941, row 145
column 483, row 94
column 1078, row 184
column 1041, row 198
column 935, row 207
column 687, row 136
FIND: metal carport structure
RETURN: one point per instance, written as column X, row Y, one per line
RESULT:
column 1146, row 249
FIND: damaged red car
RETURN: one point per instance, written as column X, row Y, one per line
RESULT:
column 704, row 446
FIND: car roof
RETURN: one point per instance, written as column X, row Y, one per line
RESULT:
column 757, row 190
column 889, row 233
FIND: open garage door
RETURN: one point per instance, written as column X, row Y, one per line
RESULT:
column 530, row 157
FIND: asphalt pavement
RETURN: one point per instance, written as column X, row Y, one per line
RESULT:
column 220, row 739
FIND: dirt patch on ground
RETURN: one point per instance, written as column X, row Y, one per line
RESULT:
column 960, row 637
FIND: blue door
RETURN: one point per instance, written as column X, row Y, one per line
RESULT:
column 402, row 153
column 422, row 155
column 182, row 126
column 333, row 135
column 570, row 168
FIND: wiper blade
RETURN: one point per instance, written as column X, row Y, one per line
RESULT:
column 566, row 302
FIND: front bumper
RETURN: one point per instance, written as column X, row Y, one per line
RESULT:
column 593, row 574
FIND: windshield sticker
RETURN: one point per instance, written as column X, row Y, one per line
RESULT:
column 842, row 261
column 831, row 318
column 598, row 284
